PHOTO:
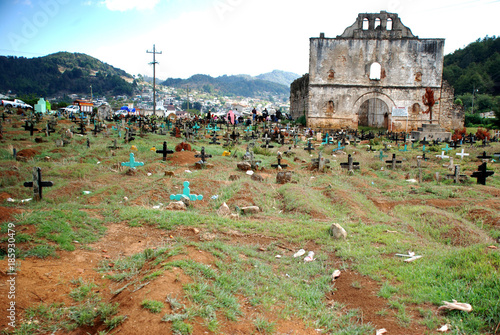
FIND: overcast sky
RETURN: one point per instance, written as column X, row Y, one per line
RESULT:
column 218, row 37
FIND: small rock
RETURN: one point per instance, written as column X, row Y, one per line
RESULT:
column 234, row 177
column 337, row 232
column 284, row 177
column 244, row 166
column 250, row 209
column 234, row 216
column 257, row 177
column 47, row 158
column 195, row 230
column 169, row 173
column 207, row 237
column 176, row 206
column 224, row 210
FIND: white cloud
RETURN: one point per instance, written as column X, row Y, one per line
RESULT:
column 124, row 5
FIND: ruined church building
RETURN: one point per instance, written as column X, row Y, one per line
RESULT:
column 375, row 74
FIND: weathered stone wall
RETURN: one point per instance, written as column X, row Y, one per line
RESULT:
column 340, row 76
column 452, row 116
column 299, row 97
column 375, row 65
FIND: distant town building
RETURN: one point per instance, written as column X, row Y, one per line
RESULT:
column 85, row 106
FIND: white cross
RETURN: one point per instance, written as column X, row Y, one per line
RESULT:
column 442, row 156
column 462, row 154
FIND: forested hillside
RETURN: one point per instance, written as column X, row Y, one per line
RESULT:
column 474, row 73
column 61, row 73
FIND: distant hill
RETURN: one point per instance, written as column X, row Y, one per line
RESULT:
column 240, row 85
column 280, row 77
column 477, row 66
column 60, row 73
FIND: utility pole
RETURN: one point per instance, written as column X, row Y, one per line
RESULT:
column 187, row 96
column 91, row 95
column 154, row 52
column 473, row 92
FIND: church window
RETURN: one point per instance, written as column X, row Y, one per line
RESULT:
column 375, row 71
column 377, row 23
column 389, row 24
column 366, row 24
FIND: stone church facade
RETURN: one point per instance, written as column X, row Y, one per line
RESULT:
column 375, row 74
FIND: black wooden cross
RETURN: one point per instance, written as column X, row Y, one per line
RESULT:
column 279, row 163
column 455, row 145
column 309, row 147
column 267, row 146
column 482, row 173
column 484, row 156
column 203, row 156
column 350, row 165
column 81, row 128
column 234, row 136
column 393, row 162
column 31, row 128
column 37, row 184
column 214, row 139
column 88, row 143
column 424, row 142
column 165, row 151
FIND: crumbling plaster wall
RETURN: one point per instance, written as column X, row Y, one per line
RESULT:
column 339, row 75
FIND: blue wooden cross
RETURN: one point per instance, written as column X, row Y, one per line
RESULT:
column 196, row 127
column 327, row 140
column 405, row 149
column 446, row 148
column 132, row 163
column 381, row 156
column 339, row 147
column 423, row 149
column 186, row 194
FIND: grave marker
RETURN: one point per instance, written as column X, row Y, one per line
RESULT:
column 320, row 163
column 482, row 173
column 309, row 147
column 381, row 156
column 186, row 194
column 37, row 184
column 484, row 156
column 279, row 165
column 339, row 147
column 457, row 177
column 394, row 162
column 132, row 163
column 442, row 156
column 350, row 165
column 462, row 154
column 164, row 151
column 203, row 156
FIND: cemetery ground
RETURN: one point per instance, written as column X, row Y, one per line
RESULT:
column 102, row 254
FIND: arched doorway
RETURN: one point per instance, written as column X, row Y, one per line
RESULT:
column 373, row 113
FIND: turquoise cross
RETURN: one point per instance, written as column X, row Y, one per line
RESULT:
column 339, row 147
column 382, row 156
column 447, row 148
column 186, row 194
column 132, row 163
